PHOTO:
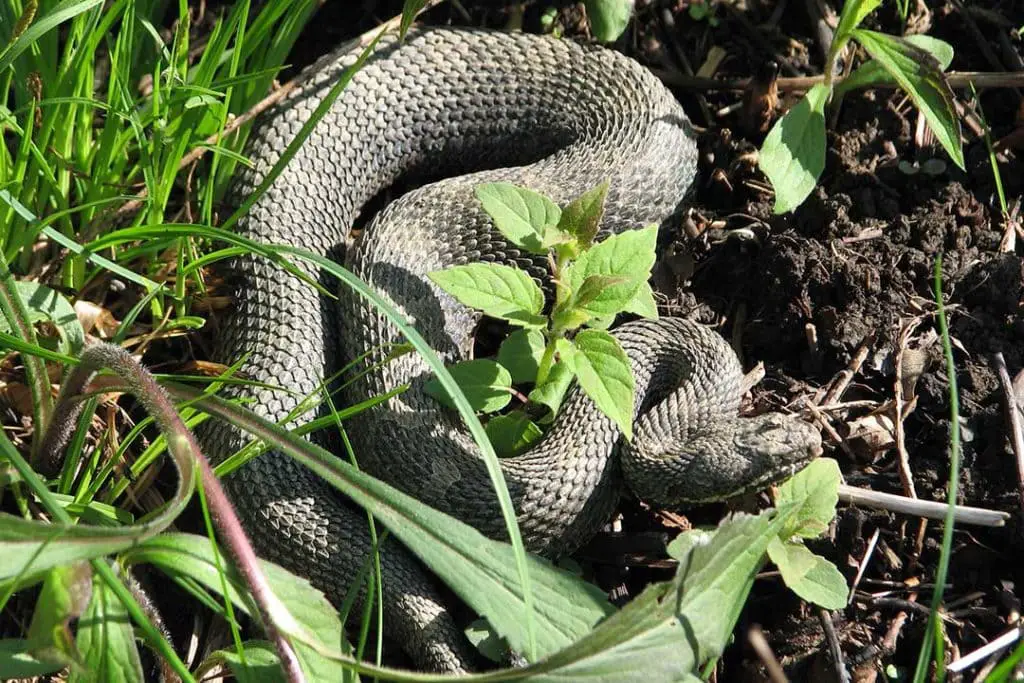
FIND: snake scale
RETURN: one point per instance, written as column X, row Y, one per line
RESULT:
column 468, row 106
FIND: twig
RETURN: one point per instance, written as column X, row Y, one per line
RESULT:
column 863, row 565
column 958, row 80
column 1013, row 420
column 920, row 508
column 998, row 645
column 764, row 652
column 834, row 647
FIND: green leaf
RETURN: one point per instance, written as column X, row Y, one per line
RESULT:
column 17, row 662
column 496, row 290
column 608, row 18
column 64, row 596
column 45, row 304
column 814, row 490
column 260, row 664
column 854, row 12
column 604, row 374
column 871, row 73
column 583, row 215
column 485, row 383
column 409, row 11
column 793, row 154
column 513, row 433
column 643, row 303
column 810, row 576
column 920, row 75
column 521, row 353
column 521, row 215
column 629, row 255
column 552, row 392
column 672, row 628
column 315, row 618
column 106, row 641
column 487, row 642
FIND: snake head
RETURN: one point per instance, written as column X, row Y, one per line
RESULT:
column 776, row 447
column 742, row 455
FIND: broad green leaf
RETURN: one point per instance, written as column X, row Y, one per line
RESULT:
column 513, row 433
column 479, row 570
column 604, row 374
column 608, row 18
column 496, row 290
column 45, row 304
column 814, row 490
column 260, row 664
column 17, row 662
column 487, row 641
column 521, row 353
column 591, row 294
column 552, row 391
column 582, row 216
column 106, row 641
column 521, row 215
column 64, row 597
column 629, row 255
column 810, row 576
column 919, row 74
column 672, row 628
column 871, row 73
column 793, row 154
column 188, row 555
column 643, row 303
column 854, row 12
column 485, row 383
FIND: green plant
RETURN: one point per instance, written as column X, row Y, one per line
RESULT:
column 608, row 18
column 593, row 282
column 793, row 153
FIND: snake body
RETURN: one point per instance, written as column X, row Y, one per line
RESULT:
column 468, row 106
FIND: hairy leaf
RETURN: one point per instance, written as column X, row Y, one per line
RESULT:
column 810, row 576
column 608, row 18
column 815, row 491
column 106, row 641
column 485, row 383
column 513, row 433
column 521, row 215
column 521, row 353
column 496, row 290
column 793, row 154
column 604, row 373
column 920, row 75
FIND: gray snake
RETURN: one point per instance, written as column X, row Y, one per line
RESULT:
column 549, row 114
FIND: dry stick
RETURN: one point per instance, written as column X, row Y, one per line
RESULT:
column 1013, row 420
column 920, row 508
column 863, row 565
column 755, row 636
column 834, row 647
column 906, row 476
column 957, row 79
column 180, row 440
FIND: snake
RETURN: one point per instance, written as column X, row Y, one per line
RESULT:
column 422, row 123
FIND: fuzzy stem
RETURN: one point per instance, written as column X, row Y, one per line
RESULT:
column 14, row 311
column 183, row 447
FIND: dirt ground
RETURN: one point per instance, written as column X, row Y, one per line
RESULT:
column 846, row 282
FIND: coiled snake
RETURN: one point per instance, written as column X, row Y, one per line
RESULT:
column 552, row 115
